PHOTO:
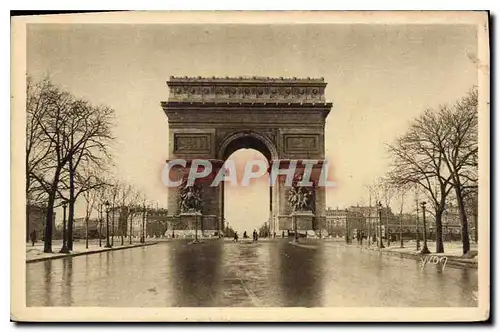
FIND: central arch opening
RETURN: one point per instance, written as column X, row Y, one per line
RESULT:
column 247, row 208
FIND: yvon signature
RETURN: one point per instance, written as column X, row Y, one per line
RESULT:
column 433, row 259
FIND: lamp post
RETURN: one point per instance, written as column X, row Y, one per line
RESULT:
column 108, row 245
column 387, row 235
column 100, row 225
column 296, row 235
column 196, row 229
column 425, row 250
column 143, row 221
column 113, row 208
column 416, row 230
column 369, row 226
column 347, row 237
column 401, row 231
column 64, row 249
column 381, row 244
column 446, row 237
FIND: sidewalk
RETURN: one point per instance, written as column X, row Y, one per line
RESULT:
column 452, row 251
column 35, row 253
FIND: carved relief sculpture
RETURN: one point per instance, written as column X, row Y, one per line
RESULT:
column 300, row 197
column 190, row 197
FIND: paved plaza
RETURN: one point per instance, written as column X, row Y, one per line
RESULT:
column 264, row 274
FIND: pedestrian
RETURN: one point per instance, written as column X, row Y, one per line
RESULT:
column 283, row 234
column 362, row 236
column 235, row 237
column 33, row 237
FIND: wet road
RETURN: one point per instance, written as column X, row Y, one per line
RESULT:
column 274, row 273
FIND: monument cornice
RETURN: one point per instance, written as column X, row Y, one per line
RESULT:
column 238, row 104
column 242, row 80
column 241, row 89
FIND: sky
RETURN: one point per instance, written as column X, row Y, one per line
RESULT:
column 379, row 78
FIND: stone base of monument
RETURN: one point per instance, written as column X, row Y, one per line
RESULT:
column 302, row 221
column 193, row 222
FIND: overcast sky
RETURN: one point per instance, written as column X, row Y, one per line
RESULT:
column 379, row 78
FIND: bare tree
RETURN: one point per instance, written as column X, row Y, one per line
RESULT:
column 135, row 209
column 62, row 133
column 54, row 129
column 91, row 197
column 372, row 197
column 460, row 153
column 125, row 193
column 418, row 159
column 114, row 192
column 38, row 148
column 386, row 191
column 401, row 193
column 470, row 197
column 88, row 142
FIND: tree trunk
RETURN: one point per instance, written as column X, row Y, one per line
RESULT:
column 439, row 230
column 113, row 223
column 464, row 222
column 475, row 224
column 122, row 228
column 47, row 237
column 71, row 209
column 87, row 232
column 130, row 231
column 71, row 214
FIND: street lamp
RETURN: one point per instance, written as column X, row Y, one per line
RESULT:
column 347, row 237
column 100, row 225
column 425, row 250
column 143, row 221
column 401, row 231
column 416, row 231
column 387, row 235
column 381, row 244
column 64, row 249
column 369, row 224
column 108, row 245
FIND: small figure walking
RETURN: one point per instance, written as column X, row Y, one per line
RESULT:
column 33, row 237
column 235, row 239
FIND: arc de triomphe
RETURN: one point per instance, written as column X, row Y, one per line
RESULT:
column 210, row 118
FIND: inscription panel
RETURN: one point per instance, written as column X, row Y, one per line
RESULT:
column 301, row 143
column 192, row 143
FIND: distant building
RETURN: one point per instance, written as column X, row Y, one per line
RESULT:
column 156, row 222
column 79, row 228
column 336, row 220
column 451, row 224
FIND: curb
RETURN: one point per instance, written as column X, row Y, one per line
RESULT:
column 452, row 260
column 41, row 259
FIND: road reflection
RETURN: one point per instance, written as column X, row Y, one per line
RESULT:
column 222, row 273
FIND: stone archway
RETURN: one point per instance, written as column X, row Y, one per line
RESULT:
column 247, row 139
column 210, row 118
